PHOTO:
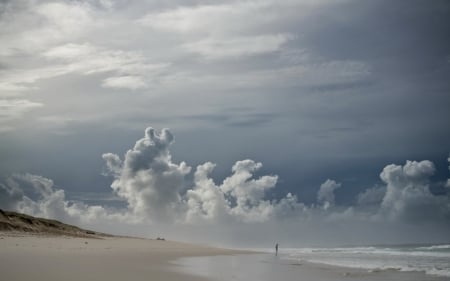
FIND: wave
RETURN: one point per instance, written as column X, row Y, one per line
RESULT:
column 433, row 260
column 417, row 252
column 434, row 247
column 377, row 268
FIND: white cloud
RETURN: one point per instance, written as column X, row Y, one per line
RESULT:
column 325, row 195
column 222, row 30
column 37, row 195
column 227, row 18
column 88, row 59
column 206, row 18
column 153, row 186
column 127, row 82
column 148, row 179
column 42, row 25
column 66, row 18
column 16, row 108
column 408, row 196
column 213, row 48
column 205, row 200
column 85, row 59
column 239, row 197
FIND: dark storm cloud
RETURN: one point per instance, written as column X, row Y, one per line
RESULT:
column 411, row 31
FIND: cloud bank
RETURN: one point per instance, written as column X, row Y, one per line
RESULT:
column 161, row 193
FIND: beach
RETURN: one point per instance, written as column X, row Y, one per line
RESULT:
column 48, row 257
column 39, row 257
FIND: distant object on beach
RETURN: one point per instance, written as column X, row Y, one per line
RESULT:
column 160, row 239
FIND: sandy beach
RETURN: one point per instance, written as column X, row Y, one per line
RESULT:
column 26, row 257
column 45, row 257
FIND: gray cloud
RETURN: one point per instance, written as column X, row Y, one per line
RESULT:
column 15, row 108
column 313, row 89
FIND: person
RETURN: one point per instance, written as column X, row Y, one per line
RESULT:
column 276, row 249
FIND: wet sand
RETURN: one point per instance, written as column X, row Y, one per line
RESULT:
column 267, row 267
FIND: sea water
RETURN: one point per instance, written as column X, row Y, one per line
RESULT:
column 431, row 259
column 292, row 265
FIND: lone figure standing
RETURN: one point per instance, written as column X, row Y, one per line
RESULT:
column 276, row 249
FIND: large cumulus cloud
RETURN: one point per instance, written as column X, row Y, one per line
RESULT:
column 159, row 192
column 156, row 189
column 408, row 195
column 147, row 179
column 239, row 196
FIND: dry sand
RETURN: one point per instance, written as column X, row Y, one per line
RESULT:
column 27, row 257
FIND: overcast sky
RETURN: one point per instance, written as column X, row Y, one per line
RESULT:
column 316, row 119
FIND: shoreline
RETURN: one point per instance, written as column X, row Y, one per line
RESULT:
column 267, row 267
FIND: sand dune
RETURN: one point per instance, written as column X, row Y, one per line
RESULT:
column 14, row 222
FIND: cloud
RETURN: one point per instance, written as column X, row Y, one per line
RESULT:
column 160, row 190
column 38, row 196
column 239, row 197
column 372, row 196
column 154, row 186
column 161, row 51
column 226, row 30
column 448, row 180
column 226, row 18
column 16, row 108
column 148, row 179
column 408, row 195
column 213, row 48
column 127, row 82
column 34, row 27
column 10, row 194
column 205, row 18
column 325, row 195
column 162, row 193
column 86, row 59
column 309, row 73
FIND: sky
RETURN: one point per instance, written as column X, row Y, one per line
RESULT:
column 229, row 122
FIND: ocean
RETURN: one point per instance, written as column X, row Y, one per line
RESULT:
column 430, row 259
